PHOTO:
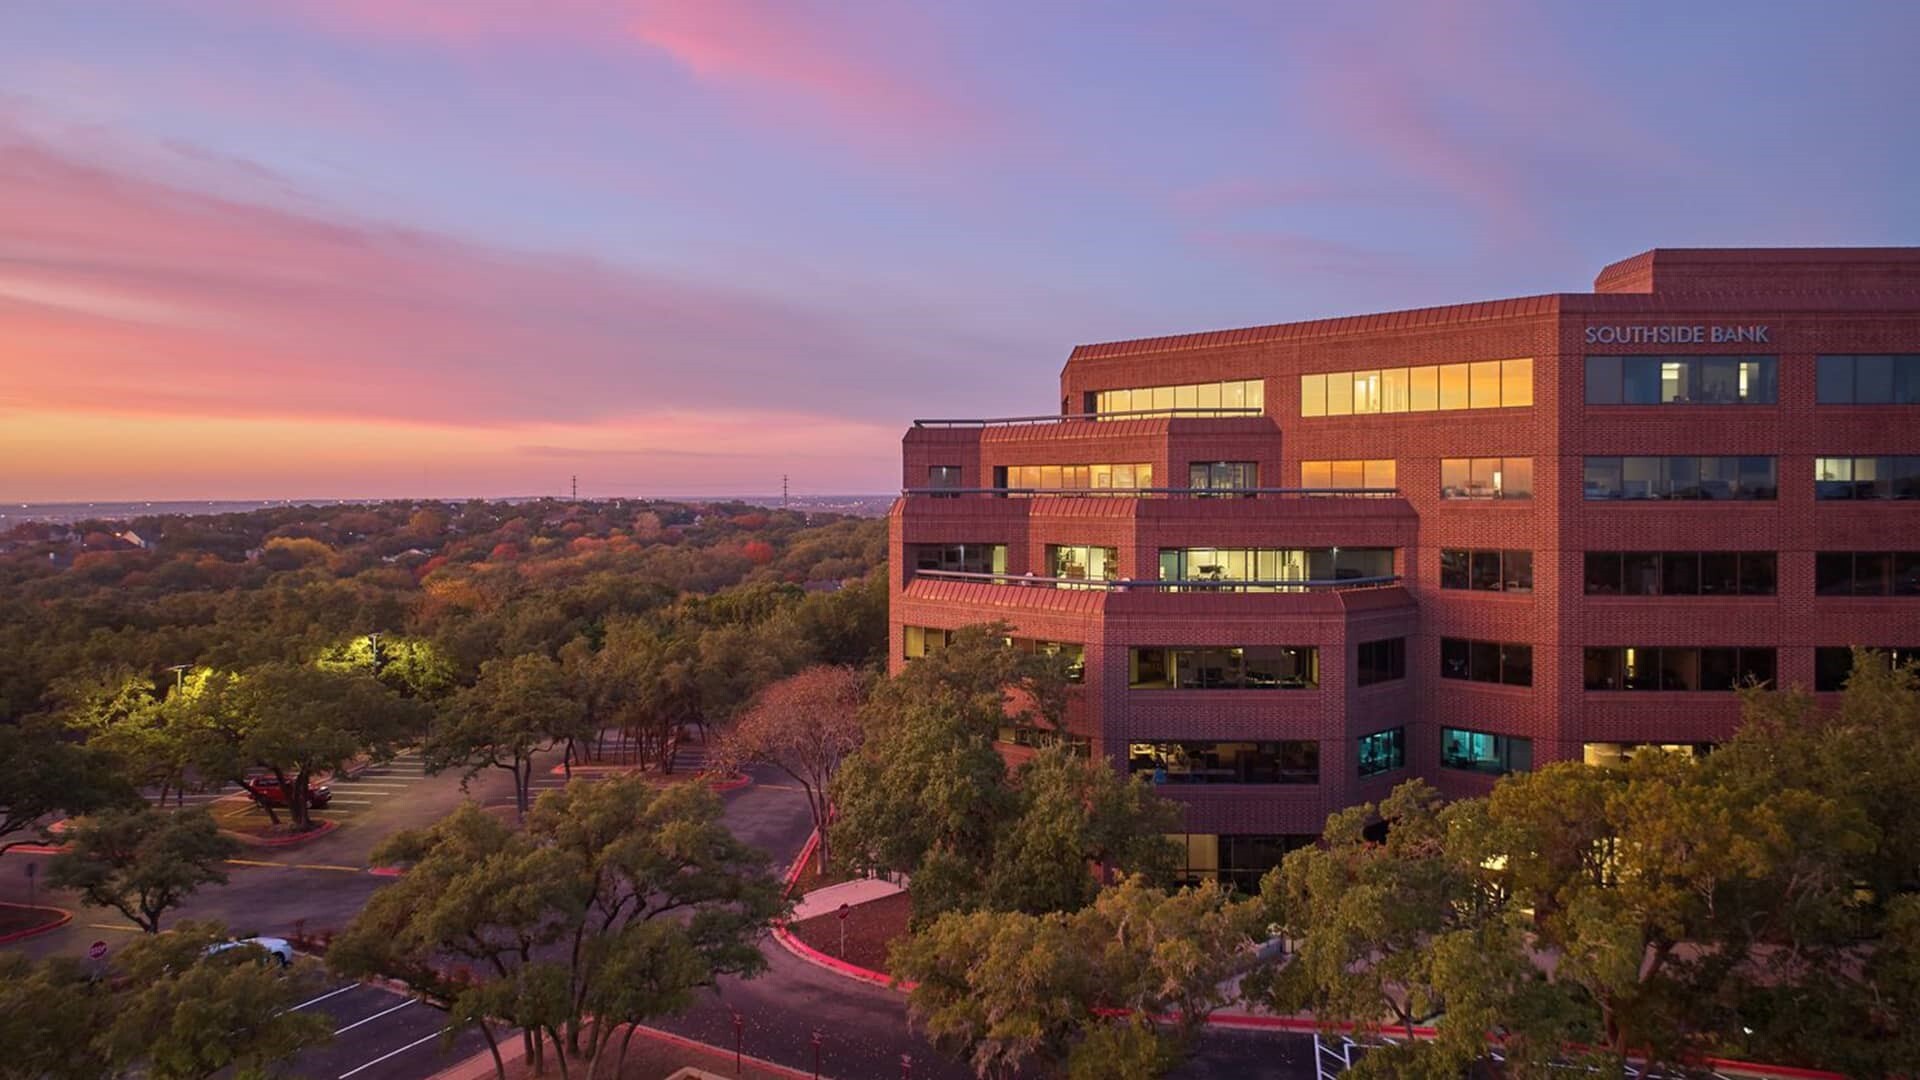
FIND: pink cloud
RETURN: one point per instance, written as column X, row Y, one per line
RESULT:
column 877, row 76
column 121, row 293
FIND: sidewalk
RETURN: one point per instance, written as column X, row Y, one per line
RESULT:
column 852, row 893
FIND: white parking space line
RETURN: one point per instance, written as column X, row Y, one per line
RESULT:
column 388, row 1054
column 374, row 1017
column 323, row 997
column 349, row 802
column 363, row 785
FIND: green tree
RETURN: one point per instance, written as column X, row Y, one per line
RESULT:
column 301, row 720
column 619, row 900
column 189, row 1014
column 48, row 1010
column 1114, row 989
column 141, row 863
column 43, row 773
column 410, row 666
column 1071, row 812
column 519, row 708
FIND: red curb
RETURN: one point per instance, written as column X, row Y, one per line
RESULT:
column 314, row 833
column 386, row 871
column 64, row 918
column 37, row 849
column 734, row 783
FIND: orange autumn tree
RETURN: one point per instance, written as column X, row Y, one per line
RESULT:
column 805, row 725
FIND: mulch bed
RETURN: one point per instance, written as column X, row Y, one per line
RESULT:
column 869, row 928
column 19, row 919
column 811, row 879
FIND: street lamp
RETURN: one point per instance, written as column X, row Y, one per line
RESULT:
column 373, row 651
column 179, row 674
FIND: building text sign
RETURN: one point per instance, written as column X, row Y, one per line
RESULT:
column 1677, row 335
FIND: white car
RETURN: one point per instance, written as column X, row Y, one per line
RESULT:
column 278, row 948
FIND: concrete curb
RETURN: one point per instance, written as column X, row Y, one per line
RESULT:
column 315, row 833
column 64, row 917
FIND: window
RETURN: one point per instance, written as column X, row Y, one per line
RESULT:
column 1866, row 573
column 1682, row 380
column 1236, row 860
column 1709, row 478
column 1483, row 384
column 1231, row 397
column 1486, row 661
column 1288, row 762
column 1274, row 565
column 1083, row 562
column 921, row 640
column 1075, row 653
column 1074, row 477
column 1381, row 661
column 1479, row 751
column 1867, row 380
column 1833, row 665
column 1486, row 478
column 1668, row 667
column 1382, row 752
column 1680, row 573
column 1223, row 475
column 960, row 558
column 1619, row 753
column 1350, row 475
column 1486, row 570
column 1866, row 478
column 1224, row 667
column 943, row 476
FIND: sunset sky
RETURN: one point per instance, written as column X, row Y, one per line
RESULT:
column 371, row 248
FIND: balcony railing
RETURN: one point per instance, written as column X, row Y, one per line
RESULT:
column 1158, row 493
column 1214, row 412
column 1206, row 585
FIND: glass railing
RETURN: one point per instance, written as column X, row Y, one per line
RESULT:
column 1157, row 493
column 1207, row 585
column 1214, row 412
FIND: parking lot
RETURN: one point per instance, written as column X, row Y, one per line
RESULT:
column 379, row 1035
column 357, row 794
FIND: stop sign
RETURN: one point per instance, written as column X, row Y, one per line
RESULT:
column 843, row 911
column 97, row 951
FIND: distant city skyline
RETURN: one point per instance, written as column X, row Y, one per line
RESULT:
column 398, row 248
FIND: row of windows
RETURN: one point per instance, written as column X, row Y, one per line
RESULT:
column 1274, row 564
column 1223, row 475
column 1083, row 561
column 1485, row 384
column 1486, row 478
column 1074, row 477
column 1487, row 570
column 1506, row 663
column 1866, row 573
column 919, row 641
column 1832, row 665
column 1236, row 860
column 1224, row 667
column 1032, row 735
column 1866, row 478
column 1867, row 380
column 1682, row 380
column 1381, row 661
column 1741, row 478
column 1230, row 394
column 961, row 558
column 1484, row 752
column 1681, row 573
column 1667, row 667
column 1293, row 761
column 1376, row 473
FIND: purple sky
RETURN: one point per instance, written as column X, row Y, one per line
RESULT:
column 261, row 248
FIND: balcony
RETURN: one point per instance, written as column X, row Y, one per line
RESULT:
column 1260, row 493
column 1140, row 414
column 1159, row 585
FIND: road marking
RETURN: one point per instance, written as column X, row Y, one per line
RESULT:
column 299, row 866
column 385, row 1056
column 325, row 996
column 347, row 784
column 347, row 802
column 375, row 1016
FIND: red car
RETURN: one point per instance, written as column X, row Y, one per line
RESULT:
column 269, row 790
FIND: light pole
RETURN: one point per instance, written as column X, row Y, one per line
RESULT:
column 179, row 674
column 373, row 651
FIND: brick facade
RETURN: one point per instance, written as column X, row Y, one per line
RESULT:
column 1811, row 301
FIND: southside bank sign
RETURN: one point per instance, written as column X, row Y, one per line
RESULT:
column 1676, row 335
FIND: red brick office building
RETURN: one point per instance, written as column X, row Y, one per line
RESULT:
column 1299, row 564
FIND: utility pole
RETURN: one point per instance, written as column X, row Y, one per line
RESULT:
column 783, row 491
column 576, row 489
